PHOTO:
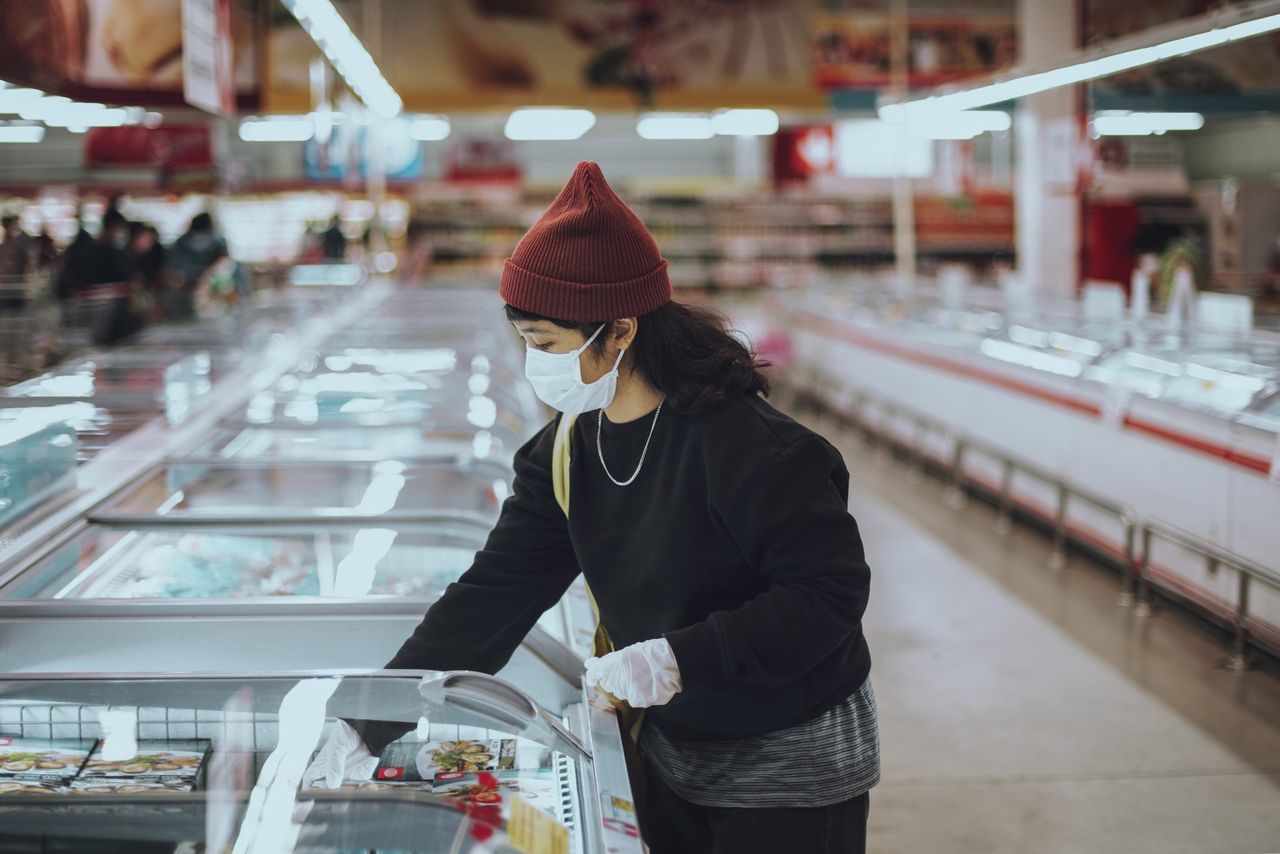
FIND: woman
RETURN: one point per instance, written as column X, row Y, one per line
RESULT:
column 713, row 532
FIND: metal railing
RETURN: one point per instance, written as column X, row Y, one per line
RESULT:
column 1135, row 566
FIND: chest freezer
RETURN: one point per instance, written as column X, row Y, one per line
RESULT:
column 452, row 439
column 197, row 562
column 313, row 492
column 179, row 764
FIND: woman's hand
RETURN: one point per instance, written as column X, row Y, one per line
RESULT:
column 343, row 756
column 643, row 674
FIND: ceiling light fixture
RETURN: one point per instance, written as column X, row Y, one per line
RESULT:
column 21, row 133
column 1179, row 38
column 675, row 126
column 1128, row 123
column 429, row 128
column 744, row 122
column 546, row 123
column 347, row 55
column 277, row 129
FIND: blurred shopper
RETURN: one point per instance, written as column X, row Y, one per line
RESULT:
column 16, row 255
column 192, row 256
column 334, row 241
column 46, row 249
column 713, row 531
column 148, row 254
column 105, row 273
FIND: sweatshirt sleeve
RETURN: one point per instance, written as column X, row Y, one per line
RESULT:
column 525, row 566
column 791, row 521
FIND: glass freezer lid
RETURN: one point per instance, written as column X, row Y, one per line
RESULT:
column 130, row 763
column 359, row 444
column 194, row 562
column 317, row 492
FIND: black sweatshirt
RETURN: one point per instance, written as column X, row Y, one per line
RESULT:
column 734, row 543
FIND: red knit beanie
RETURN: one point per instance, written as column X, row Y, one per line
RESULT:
column 588, row 257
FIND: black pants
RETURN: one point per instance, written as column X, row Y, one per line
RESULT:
column 675, row 826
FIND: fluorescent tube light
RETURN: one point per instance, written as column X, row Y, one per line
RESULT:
column 281, row 129
column 429, row 128
column 346, row 54
column 548, row 123
column 962, row 125
column 1126, row 123
column 1030, row 83
column 745, row 122
column 675, row 126
column 17, row 100
column 21, row 133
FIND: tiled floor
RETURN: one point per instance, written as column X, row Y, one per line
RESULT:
column 1023, row 711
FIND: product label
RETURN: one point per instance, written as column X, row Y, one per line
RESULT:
column 532, row 831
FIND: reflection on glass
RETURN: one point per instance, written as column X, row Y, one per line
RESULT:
column 190, row 563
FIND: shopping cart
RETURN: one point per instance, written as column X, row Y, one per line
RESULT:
column 87, row 317
column 29, row 327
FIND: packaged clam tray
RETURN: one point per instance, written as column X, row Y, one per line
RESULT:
column 37, row 759
column 12, row 786
column 159, row 761
column 409, row 760
column 136, row 785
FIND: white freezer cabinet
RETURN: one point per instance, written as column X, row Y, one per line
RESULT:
column 319, row 493
column 192, row 561
column 116, row 764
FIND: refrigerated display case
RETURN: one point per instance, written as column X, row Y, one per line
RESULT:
column 203, row 562
column 320, row 493
column 242, row 743
column 38, row 454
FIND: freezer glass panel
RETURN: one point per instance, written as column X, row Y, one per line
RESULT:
column 150, row 764
column 387, row 488
column 184, row 562
column 38, row 455
column 358, row 444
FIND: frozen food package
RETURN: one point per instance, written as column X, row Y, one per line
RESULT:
column 411, row 760
column 484, row 789
column 135, row 786
column 43, row 758
column 155, row 760
column 13, row 786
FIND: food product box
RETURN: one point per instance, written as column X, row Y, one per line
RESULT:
column 483, row 789
column 137, row 785
column 31, row 787
column 155, row 761
column 43, row 759
column 416, row 761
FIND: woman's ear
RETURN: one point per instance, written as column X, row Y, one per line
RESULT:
column 624, row 332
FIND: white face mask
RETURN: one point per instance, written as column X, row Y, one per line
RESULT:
column 557, row 380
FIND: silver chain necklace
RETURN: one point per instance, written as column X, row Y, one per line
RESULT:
column 639, row 465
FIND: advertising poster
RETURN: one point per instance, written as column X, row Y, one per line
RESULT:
column 119, row 51
column 853, row 50
column 1249, row 67
column 450, row 54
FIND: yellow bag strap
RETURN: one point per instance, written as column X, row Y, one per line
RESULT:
column 601, row 643
column 560, row 462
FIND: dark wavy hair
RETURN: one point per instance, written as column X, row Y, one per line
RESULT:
column 686, row 352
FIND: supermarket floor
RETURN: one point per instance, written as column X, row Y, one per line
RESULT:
column 1023, row 711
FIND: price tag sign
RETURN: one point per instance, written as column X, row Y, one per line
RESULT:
column 619, row 815
column 532, row 831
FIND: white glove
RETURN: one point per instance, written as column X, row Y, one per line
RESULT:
column 643, row 674
column 343, row 756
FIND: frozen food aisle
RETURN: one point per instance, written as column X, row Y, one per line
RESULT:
column 1076, row 420
column 1022, row 710
column 298, row 511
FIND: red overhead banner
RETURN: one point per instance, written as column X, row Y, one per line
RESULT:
column 168, row 147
